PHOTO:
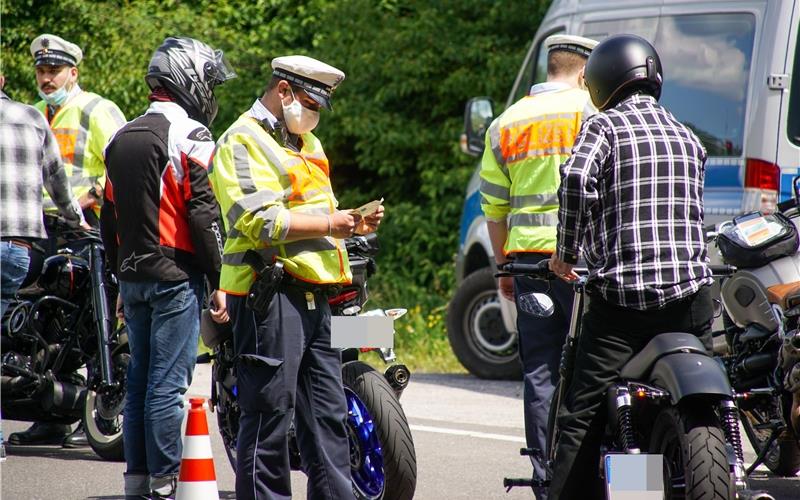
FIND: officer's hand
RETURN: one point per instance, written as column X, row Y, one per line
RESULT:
column 562, row 269
column 219, row 309
column 343, row 224
column 370, row 223
column 505, row 285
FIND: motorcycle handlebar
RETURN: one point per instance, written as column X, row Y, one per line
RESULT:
column 539, row 271
column 721, row 270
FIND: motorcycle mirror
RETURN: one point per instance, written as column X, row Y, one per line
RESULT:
column 717, row 304
column 537, row 304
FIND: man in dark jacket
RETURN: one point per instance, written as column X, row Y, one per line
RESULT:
column 160, row 224
column 631, row 200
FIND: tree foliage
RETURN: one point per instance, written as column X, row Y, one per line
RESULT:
column 410, row 66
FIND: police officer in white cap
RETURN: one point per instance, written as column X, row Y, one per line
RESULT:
column 271, row 178
column 82, row 123
column 531, row 139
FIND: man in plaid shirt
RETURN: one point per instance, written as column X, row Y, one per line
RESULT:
column 631, row 199
column 29, row 160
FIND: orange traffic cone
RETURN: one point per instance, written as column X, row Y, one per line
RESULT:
column 197, row 479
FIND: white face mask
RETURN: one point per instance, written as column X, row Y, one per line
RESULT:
column 299, row 119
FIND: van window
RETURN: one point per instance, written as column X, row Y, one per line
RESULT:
column 794, row 98
column 706, row 60
column 535, row 70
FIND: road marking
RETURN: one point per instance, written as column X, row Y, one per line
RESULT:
column 461, row 432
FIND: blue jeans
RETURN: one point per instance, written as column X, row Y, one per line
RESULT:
column 163, row 320
column 14, row 261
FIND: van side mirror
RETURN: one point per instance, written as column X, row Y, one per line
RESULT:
column 478, row 115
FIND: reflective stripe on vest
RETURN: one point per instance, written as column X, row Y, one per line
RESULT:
column 257, row 183
column 520, row 172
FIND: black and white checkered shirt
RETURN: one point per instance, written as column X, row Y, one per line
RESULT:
column 631, row 199
column 29, row 161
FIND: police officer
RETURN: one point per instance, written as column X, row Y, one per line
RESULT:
column 519, row 180
column 271, row 177
column 631, row 201
column 83, row 122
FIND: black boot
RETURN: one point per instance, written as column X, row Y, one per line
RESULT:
column 77, row 439
column 40, row 433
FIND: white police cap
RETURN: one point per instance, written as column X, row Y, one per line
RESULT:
column 571, row 43
column 55, row 51
column 315, row 77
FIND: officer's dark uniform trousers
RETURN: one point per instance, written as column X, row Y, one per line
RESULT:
column 611, row 336
column 287, row 369
column 540, row 344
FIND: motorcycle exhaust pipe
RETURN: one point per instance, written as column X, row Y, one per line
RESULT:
column 63, row 396
column 757, row 363
column 398, row 377
column 753, row 495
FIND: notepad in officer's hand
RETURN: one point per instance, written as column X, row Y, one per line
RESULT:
column 368, row 209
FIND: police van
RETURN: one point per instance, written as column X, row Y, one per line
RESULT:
column 728, row 68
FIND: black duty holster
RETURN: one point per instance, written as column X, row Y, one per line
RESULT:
column 263, row 289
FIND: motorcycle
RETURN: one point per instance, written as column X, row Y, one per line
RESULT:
column 761, row 303
column 60, row 324
column 672, row 410
column 383, row 461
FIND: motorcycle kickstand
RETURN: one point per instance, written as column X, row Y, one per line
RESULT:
column 760, row 457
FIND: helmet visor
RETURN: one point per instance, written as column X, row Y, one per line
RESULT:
column 221, row 71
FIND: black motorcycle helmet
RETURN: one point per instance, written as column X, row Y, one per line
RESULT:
column 620, row 66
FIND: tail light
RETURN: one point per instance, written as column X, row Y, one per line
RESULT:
column 761, row 185
column 343, row 297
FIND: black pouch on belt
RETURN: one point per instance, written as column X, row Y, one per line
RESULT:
column 268, row 278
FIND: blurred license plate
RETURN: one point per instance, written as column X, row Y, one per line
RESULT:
column 634, row 477
column 362, row 331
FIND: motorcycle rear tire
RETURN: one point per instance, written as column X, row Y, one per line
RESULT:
column 695, row 436
column 399, row 456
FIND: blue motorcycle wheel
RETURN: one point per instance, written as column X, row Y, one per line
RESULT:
column 366, row 456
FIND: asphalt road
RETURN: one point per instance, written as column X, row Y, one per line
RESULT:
column 467, row 433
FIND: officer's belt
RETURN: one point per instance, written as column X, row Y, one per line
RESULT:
column 326, row 289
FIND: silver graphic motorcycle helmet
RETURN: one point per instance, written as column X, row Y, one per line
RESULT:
column 189, row 70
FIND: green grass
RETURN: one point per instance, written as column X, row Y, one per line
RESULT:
column 420, row 335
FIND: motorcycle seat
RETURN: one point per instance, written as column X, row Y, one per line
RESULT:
column 783, row 293
column 662, row 344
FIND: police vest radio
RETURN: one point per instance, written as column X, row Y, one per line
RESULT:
column 263, row 289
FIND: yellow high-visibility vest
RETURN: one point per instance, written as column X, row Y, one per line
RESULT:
column 259, row 184
column 83, row 126
column 520, row 167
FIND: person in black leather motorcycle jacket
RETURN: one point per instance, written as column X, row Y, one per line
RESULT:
column 161, row 229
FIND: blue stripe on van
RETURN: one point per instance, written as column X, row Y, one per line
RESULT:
column 718, row 176
column 472, row 209
column 786, row 181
